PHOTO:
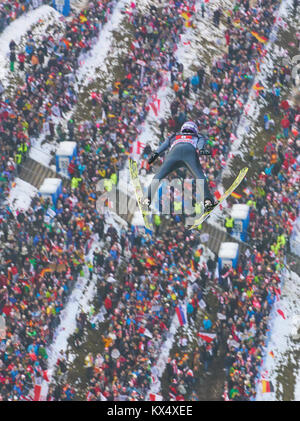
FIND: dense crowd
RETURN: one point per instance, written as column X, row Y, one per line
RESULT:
column 42, row 257
column 248, row 293
column 11, row 10
column 47, row 66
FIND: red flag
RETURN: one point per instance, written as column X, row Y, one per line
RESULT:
column 89, row 396
column 207, row 337
column 158, row 104
column 45, row 376
column 153, row 106
column 278, row 293
column 281, row 313
column 155, row 397
column 217, row 194
column 37, row 392
column 25, row 398
column 33, row 356
column 139, row 147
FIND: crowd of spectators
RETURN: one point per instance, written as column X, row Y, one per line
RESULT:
column 42, row 257
column 246, row 295
column 11, row 10
column 47, row 66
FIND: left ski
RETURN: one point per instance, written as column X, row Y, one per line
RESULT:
column 133, row 169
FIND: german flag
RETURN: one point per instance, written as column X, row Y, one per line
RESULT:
column 259, row 38
column 186, row 15
column 82, row 18
column 151, row 261
column 236, row 195
column 267, row 386
column 237, row 23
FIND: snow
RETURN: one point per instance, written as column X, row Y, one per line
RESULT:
column 80, row 298
column 40, row 151
column 295, row 238
column 283, row 341
column 240, row 211
column 138, row 219
column 78, row 5
column 297, row 387
column 20, row 195
column 228, row 250
column 246, row 127
column 66, row 148
column 90, row 63
column 204, row 39
column 96, row 58
column 158, row 369
column 50, row 185
column 18, row 28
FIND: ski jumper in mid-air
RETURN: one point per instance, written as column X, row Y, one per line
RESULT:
column 183, row 153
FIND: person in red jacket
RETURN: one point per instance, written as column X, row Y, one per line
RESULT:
column 285, row 124
column 108, row 304
column 71, row 168
column 21, row 58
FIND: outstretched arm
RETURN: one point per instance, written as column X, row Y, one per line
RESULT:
column 201, row 145
column 162, row 148
column 201, row 142
column 165, row 145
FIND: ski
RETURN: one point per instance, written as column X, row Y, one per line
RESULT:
column 134, row 175
column 227, row 193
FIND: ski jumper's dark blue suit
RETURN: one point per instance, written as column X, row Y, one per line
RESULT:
column 183, row 153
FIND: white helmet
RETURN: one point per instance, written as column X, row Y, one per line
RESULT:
column 189, row 127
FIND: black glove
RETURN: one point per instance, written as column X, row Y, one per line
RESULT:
column 152, row 158
column 204, row 152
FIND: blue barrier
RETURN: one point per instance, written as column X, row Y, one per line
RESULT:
column 62, row 6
